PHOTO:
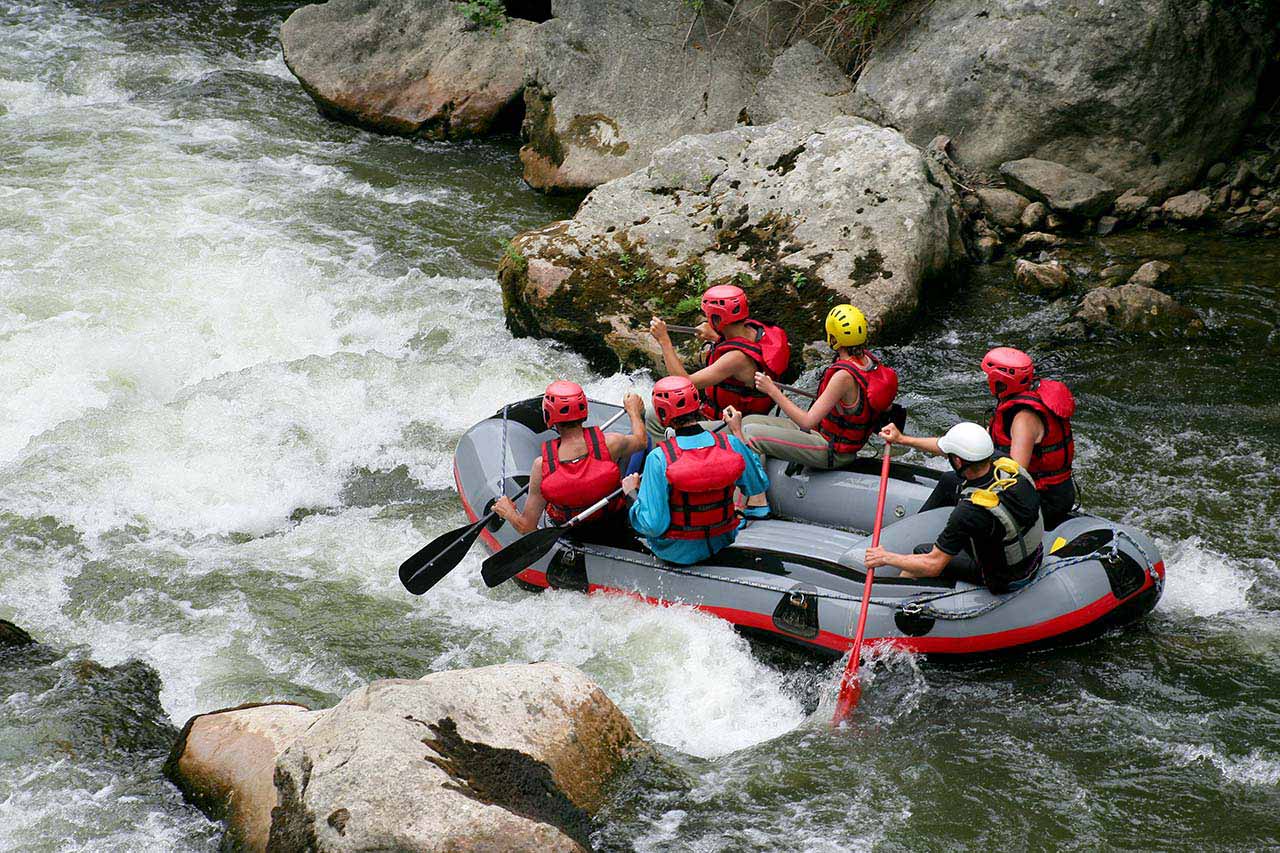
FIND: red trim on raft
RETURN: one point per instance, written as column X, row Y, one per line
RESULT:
column 1000, row 640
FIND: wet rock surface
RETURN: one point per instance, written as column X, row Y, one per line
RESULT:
column 799, row 217
column 407, row 66
column 1136, row 308
column 510, row 757
column 1142, row 94
column 1063, row 189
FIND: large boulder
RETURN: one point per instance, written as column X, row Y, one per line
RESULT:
column 1142, row 93
column 225, row 763
column 407, row 66
column 801, row 217
column 503, row 758
column 1136, row 308
column 615, row 80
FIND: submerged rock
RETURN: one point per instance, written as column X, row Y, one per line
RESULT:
column 502, row 758
column 1152, row 274
column 1142, row 93
column 1064, row 190
column 407, row 66
column 1137, row 308
column 800, row 217
column 11, row 636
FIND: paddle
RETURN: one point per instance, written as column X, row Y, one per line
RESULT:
column 442, row 555
column 850, row 684
column 527, row 550
column 682, row 330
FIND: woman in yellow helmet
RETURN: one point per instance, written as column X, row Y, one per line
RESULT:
column 853, row 396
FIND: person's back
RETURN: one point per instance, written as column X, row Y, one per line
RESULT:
column 998, row 523
column 683, row 503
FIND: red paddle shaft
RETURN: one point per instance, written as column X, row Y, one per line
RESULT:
column 850, row 685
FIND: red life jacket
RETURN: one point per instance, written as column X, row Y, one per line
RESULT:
column 702, row 481
column 847, row 430
column 769, row 349
column 1051, row 458
column 571, row 487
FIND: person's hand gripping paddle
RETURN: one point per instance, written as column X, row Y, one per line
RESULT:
column 442, row 555
column 850, row 684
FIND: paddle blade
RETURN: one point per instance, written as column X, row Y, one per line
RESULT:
column 850, row 691
column 437, row 558
column 519, row 555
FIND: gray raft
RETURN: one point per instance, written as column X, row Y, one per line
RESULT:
column 801, row 580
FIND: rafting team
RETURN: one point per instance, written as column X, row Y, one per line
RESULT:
column 1007, row 484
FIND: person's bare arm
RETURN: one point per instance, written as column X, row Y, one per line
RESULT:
column 912, row 565
column 1025, row 432
column 534, row 503
column 724, row 368
column 622, row 446
column 670, row 358
column 807, row 420
column 893, row 435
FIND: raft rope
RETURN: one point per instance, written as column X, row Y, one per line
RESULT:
column 918, row 606
column 503, row 483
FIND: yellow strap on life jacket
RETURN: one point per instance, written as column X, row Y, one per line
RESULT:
column 1006, row 475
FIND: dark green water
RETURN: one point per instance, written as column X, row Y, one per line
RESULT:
column 238, row 344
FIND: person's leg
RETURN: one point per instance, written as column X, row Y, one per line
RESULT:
column 657, row 432
column 1056, row 503
column 780, row 438
column 946, row 493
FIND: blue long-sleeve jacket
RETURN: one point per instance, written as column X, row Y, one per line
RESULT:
column 651, row 512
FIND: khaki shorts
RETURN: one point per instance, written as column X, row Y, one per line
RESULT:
column 780, row 438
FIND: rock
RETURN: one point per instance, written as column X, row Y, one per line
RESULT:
column 1033, row 216
column 1222, row 198
column 1216, row 172
column 615, row 80
column 1240, row 227
column 1130, row 204
column 1243, row 178
column 1151, row 274
column 801, row 217
column 971, row 204
column 1137, row 308
column 1064, row 190
column 1243, row 210
column 224, row 763
column 804, row 85
column 1035, row 241
column 1106, row 224
column 1055, row 222
column 504, row 758
column 1187, row 208
column 1005, row 207
column 13, row 637
column 1114, row 89
column 1272, row 218
column 988, row 247
column 1049, row 279
column 407, row 66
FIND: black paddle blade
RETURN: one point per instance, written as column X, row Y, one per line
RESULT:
column 519, row 555
column 437, row 558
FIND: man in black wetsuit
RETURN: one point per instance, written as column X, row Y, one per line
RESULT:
column 996, row 522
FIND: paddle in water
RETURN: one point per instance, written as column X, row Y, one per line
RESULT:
column 442, row 555
column 850, row 684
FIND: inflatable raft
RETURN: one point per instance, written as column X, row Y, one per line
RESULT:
column 800, row 580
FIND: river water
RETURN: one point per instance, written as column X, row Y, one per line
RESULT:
column 238, row 344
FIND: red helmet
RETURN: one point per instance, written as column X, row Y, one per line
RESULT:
column 724, row 304
column 1009, row 371
column 563, row 402
column 674, row 396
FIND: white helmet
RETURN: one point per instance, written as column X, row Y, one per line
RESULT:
column 968, row 441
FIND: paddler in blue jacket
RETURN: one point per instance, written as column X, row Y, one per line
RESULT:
column 683, row 505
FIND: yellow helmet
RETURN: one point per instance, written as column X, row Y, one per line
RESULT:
column 846, row 327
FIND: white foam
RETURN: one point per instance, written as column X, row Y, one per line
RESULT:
column 1202, row 581
column 1256, row 768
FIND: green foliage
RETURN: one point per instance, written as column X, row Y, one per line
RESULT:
column 745, row 281
column 518, row 261
column 486, row 13
column 688, row 305
column 799, row 280
column 638, row 276
column 624, row 260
